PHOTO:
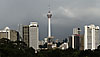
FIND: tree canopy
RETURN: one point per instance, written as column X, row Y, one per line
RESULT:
column 14, row 49
column 19, row 49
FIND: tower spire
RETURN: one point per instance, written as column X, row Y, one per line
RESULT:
column 49, row 15
column 49, row 5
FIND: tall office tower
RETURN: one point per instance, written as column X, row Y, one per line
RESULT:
column 20, row 30
column 31, row 35
column 34, row 35
column 9, row 34
column 91, row 37
column 76, row 30
column 26, row 34
column 74, row 42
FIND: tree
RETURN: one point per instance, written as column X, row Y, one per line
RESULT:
column 15, row 49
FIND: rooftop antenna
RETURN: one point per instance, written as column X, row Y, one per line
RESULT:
column 49, row 5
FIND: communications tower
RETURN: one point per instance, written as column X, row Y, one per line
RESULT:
column 49, row 15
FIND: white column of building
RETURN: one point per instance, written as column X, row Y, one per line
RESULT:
column 93, row 38
column 49, row 15
column 9, row 34
column 37, row 37
column 7, row 29
column 49, row 28
column 72, row 41
column 85, row 38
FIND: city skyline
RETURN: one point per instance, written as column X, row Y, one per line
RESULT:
column 67, row 14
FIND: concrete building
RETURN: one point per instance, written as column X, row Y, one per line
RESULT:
column 45, row 40
column 20, row 30
column 31, row 35
column 26, row 34
column 41, row 42
column 54, row 46
column 9, row 34
column 74, row 42
column 64, row 46
column 76, row 30
column 91, row 37
column 34, row 35
column 81, row 42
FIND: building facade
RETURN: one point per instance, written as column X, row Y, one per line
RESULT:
column 76, row 30
column 81, row 42
column 26, row 34
column 9, row 34
column 31, row 35
column 91, row 37
column 74, row 40
column 64, row 46
column 34, row 35
column 20, row 30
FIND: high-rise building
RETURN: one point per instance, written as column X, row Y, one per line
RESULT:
column 9, row 34
column 20, row 30
column 26, row 34
column 31, row 35
column 74, row 40
column 34, row 35
column 91, row 37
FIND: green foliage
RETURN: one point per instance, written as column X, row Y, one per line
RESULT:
column 58, row 53
column 19, row 49
column 69, row 53
column 15, row 49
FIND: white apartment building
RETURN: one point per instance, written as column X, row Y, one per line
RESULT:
column 91, row 37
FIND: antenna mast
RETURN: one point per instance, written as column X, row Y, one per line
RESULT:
column 49, row 5
column 49, row 15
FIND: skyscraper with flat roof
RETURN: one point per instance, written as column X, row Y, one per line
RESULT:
column 34, row 35
column 26, row 34
column 31, row 35
column 91, row 37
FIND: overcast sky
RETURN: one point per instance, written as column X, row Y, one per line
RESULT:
column 67, row 14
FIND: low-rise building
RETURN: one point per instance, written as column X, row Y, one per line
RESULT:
column 9, row 34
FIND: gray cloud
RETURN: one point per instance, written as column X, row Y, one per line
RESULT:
column 67, row 14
